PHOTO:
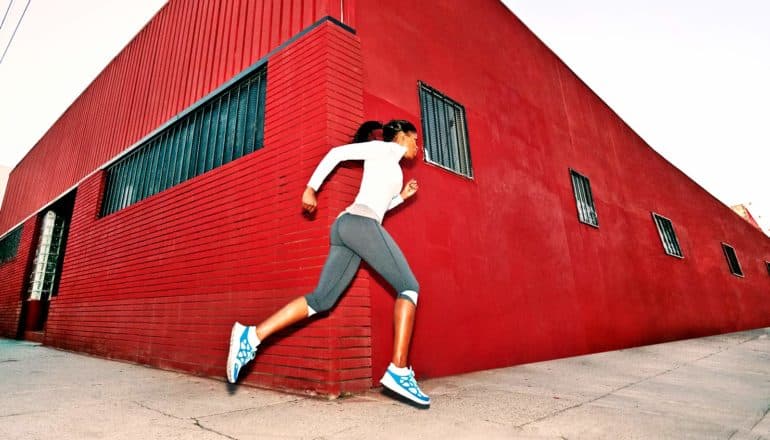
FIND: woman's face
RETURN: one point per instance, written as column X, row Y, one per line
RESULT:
column 408, row 140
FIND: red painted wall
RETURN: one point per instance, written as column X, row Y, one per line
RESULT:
column 186, row 51
column 13, row 275
column 508, row 275
column 161, row 281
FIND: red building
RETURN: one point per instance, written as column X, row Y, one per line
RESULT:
column 544, row 226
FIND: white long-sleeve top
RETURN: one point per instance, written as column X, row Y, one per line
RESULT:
column 381, row 184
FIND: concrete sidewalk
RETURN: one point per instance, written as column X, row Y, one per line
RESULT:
column 709, row 388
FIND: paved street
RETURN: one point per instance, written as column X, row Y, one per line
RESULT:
column 709, row 388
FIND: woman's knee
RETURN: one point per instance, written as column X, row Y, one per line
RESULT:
column 410, row 291
column 318, row 303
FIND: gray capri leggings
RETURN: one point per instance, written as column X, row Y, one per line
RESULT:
column 355, row 237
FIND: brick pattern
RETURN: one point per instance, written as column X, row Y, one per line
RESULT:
column 162, row 281
column 14, row 275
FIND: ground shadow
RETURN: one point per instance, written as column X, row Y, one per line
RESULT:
column 398, row 397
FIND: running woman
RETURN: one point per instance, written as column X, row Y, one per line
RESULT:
column 356, row 234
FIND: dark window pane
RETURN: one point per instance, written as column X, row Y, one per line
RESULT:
column 732, row 260
column 667, row 235
column 9, row 245
column 232, row 119
column 584, row 199
column 240, row 124
column 445, row 131
column 262, row 78
column 228, row 126
column 250, row 117
column 219, row 154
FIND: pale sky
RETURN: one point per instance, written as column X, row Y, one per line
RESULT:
column 689, row 76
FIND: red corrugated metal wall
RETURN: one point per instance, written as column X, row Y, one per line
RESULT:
column 186, row 51
column 161, row 281
column 507, row 273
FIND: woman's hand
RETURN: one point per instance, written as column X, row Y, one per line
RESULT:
column 309, row 201
column 410, row 188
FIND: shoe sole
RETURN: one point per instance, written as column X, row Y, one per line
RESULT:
column 388, row 382
column 235, row 341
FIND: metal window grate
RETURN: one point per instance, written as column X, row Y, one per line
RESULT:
column 9, row 245
column 229, row 126
column 445, row 131
column 667, row 236
column 584, row 199
column 732, row 260
column 49, row 250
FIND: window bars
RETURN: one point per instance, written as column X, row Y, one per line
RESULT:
column 584, row 199
column 732, row 260
column 43, row 276
column 445, row 131
column 230, row 125
column 667, row 236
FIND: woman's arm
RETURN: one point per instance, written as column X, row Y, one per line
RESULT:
column 360, row 151
column 309, row 201
column 409, row 190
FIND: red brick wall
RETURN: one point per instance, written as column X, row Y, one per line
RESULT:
column 162, row 281
column 13, row 275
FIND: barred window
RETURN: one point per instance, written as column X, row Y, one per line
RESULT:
column 732, row 260
column 584, row 199
column 9, row 245
column 445, row 131
column 667, row 236
column 47, row 256
column 230, row 125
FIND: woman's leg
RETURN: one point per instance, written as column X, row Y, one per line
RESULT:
column 372, row 242
column 294, row 311
column 403, row 322
column 369, row 240
column 340, row 268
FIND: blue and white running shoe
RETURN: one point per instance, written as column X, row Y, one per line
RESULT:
column 241, row 351
column 404, row 385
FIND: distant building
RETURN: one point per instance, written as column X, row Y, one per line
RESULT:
column 164, row 204
column 743, row 211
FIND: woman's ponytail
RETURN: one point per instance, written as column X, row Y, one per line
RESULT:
column 364, row 132
column 391, row 129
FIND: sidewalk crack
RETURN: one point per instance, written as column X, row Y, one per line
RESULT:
column 199, row 425
column 767, row 410
column 21, row 414
column 246, row 409
column 157, row 411
column 194, row 419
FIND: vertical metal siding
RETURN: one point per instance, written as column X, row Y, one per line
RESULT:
column 236, row 129
column 187, row 50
